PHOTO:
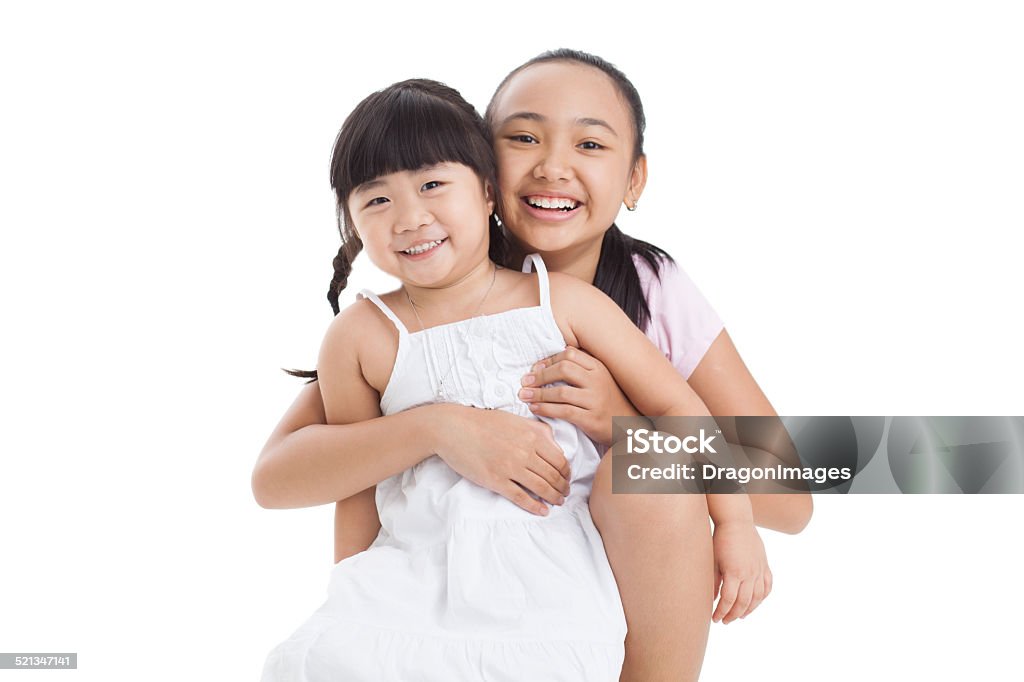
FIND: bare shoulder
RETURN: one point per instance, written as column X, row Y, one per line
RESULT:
column 574, row 302
column 569, row 294
column 360, row 341
column 568, row 287
column 358, row 320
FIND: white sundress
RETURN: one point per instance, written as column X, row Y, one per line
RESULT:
column 460, row 583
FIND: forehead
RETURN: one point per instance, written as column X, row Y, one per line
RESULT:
column 564, row 91
column 446, row 169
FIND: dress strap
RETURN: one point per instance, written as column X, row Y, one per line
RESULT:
column 366, row 293
column 542, row 275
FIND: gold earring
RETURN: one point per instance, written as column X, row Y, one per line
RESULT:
column 633, row 207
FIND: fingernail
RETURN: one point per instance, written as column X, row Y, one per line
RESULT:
column 526, row 394
column 537, row 366
column 528, row 379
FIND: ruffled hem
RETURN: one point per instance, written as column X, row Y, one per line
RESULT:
column 327, row 649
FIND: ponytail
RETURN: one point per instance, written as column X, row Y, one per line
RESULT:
column 617, row 276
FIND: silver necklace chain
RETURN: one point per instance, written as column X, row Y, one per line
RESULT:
column 441, row 395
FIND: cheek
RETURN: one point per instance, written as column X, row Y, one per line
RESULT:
column 512, row 168
column 373, row 241
column 507, row 199
column 606, row 185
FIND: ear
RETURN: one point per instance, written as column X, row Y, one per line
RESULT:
column 637, row 182
column 345, row 219
column 489, row 195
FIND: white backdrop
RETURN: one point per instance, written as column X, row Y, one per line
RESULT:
column 842, row 180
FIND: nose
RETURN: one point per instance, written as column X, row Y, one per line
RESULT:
column 415, row 216
column 553, row 165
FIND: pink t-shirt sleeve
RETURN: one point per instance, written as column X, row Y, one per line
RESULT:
column 683, row 324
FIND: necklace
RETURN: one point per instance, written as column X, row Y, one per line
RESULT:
column 441, row 394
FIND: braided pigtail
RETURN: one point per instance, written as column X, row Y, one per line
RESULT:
column 342, row 269
column 350, row 248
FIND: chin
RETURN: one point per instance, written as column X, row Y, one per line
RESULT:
column 545, row 240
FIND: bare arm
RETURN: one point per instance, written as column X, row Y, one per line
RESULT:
column 726, row 386
column 307, row 462
column 602, row 329
column 299, row 467
column 592, row 321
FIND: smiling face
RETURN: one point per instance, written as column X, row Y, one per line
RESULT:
column 564, row 139
column 427, row 227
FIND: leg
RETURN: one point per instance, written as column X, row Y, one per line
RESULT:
column 660, row 551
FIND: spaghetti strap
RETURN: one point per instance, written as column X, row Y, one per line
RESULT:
column 542, row 275
column 366, row 293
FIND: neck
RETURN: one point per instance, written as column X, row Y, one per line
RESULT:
column 580, row 261
column 455, row 300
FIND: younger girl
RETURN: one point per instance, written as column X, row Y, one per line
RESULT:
column 461, row 583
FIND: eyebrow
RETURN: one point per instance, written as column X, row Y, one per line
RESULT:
column 373, row 184
column 524, row 115
column 540, row 118
column 369, row 184
column 596, row 122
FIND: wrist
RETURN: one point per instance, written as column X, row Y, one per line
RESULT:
column 734, row 523
column 434, row 424
column 731, row 510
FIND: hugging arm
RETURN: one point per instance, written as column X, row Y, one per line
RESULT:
column 598, row 326
column 590, row 320
column 308, row 462
column 300, row 466
column 722, row 382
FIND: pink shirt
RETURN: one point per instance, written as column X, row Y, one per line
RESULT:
column 683, row 324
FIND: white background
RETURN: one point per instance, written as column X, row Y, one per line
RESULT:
column 842, row 180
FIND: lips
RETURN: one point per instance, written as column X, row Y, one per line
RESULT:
column 551, row 206
column 423, row 246
column 552, row 202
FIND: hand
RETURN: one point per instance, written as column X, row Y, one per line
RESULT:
column 741, row 571
column 590, row 399
column 505, row 453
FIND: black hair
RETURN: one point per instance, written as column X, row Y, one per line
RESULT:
column 405, row 127
column 616, row 273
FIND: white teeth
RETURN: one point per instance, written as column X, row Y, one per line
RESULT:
column 423, row 247
column 545, row 202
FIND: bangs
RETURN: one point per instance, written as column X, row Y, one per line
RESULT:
column 405, row 129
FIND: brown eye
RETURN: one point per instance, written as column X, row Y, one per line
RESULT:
column 527, row 139
column 591, row 145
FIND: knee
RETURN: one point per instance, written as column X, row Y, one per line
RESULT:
column 645, row 514
column 803, row 509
